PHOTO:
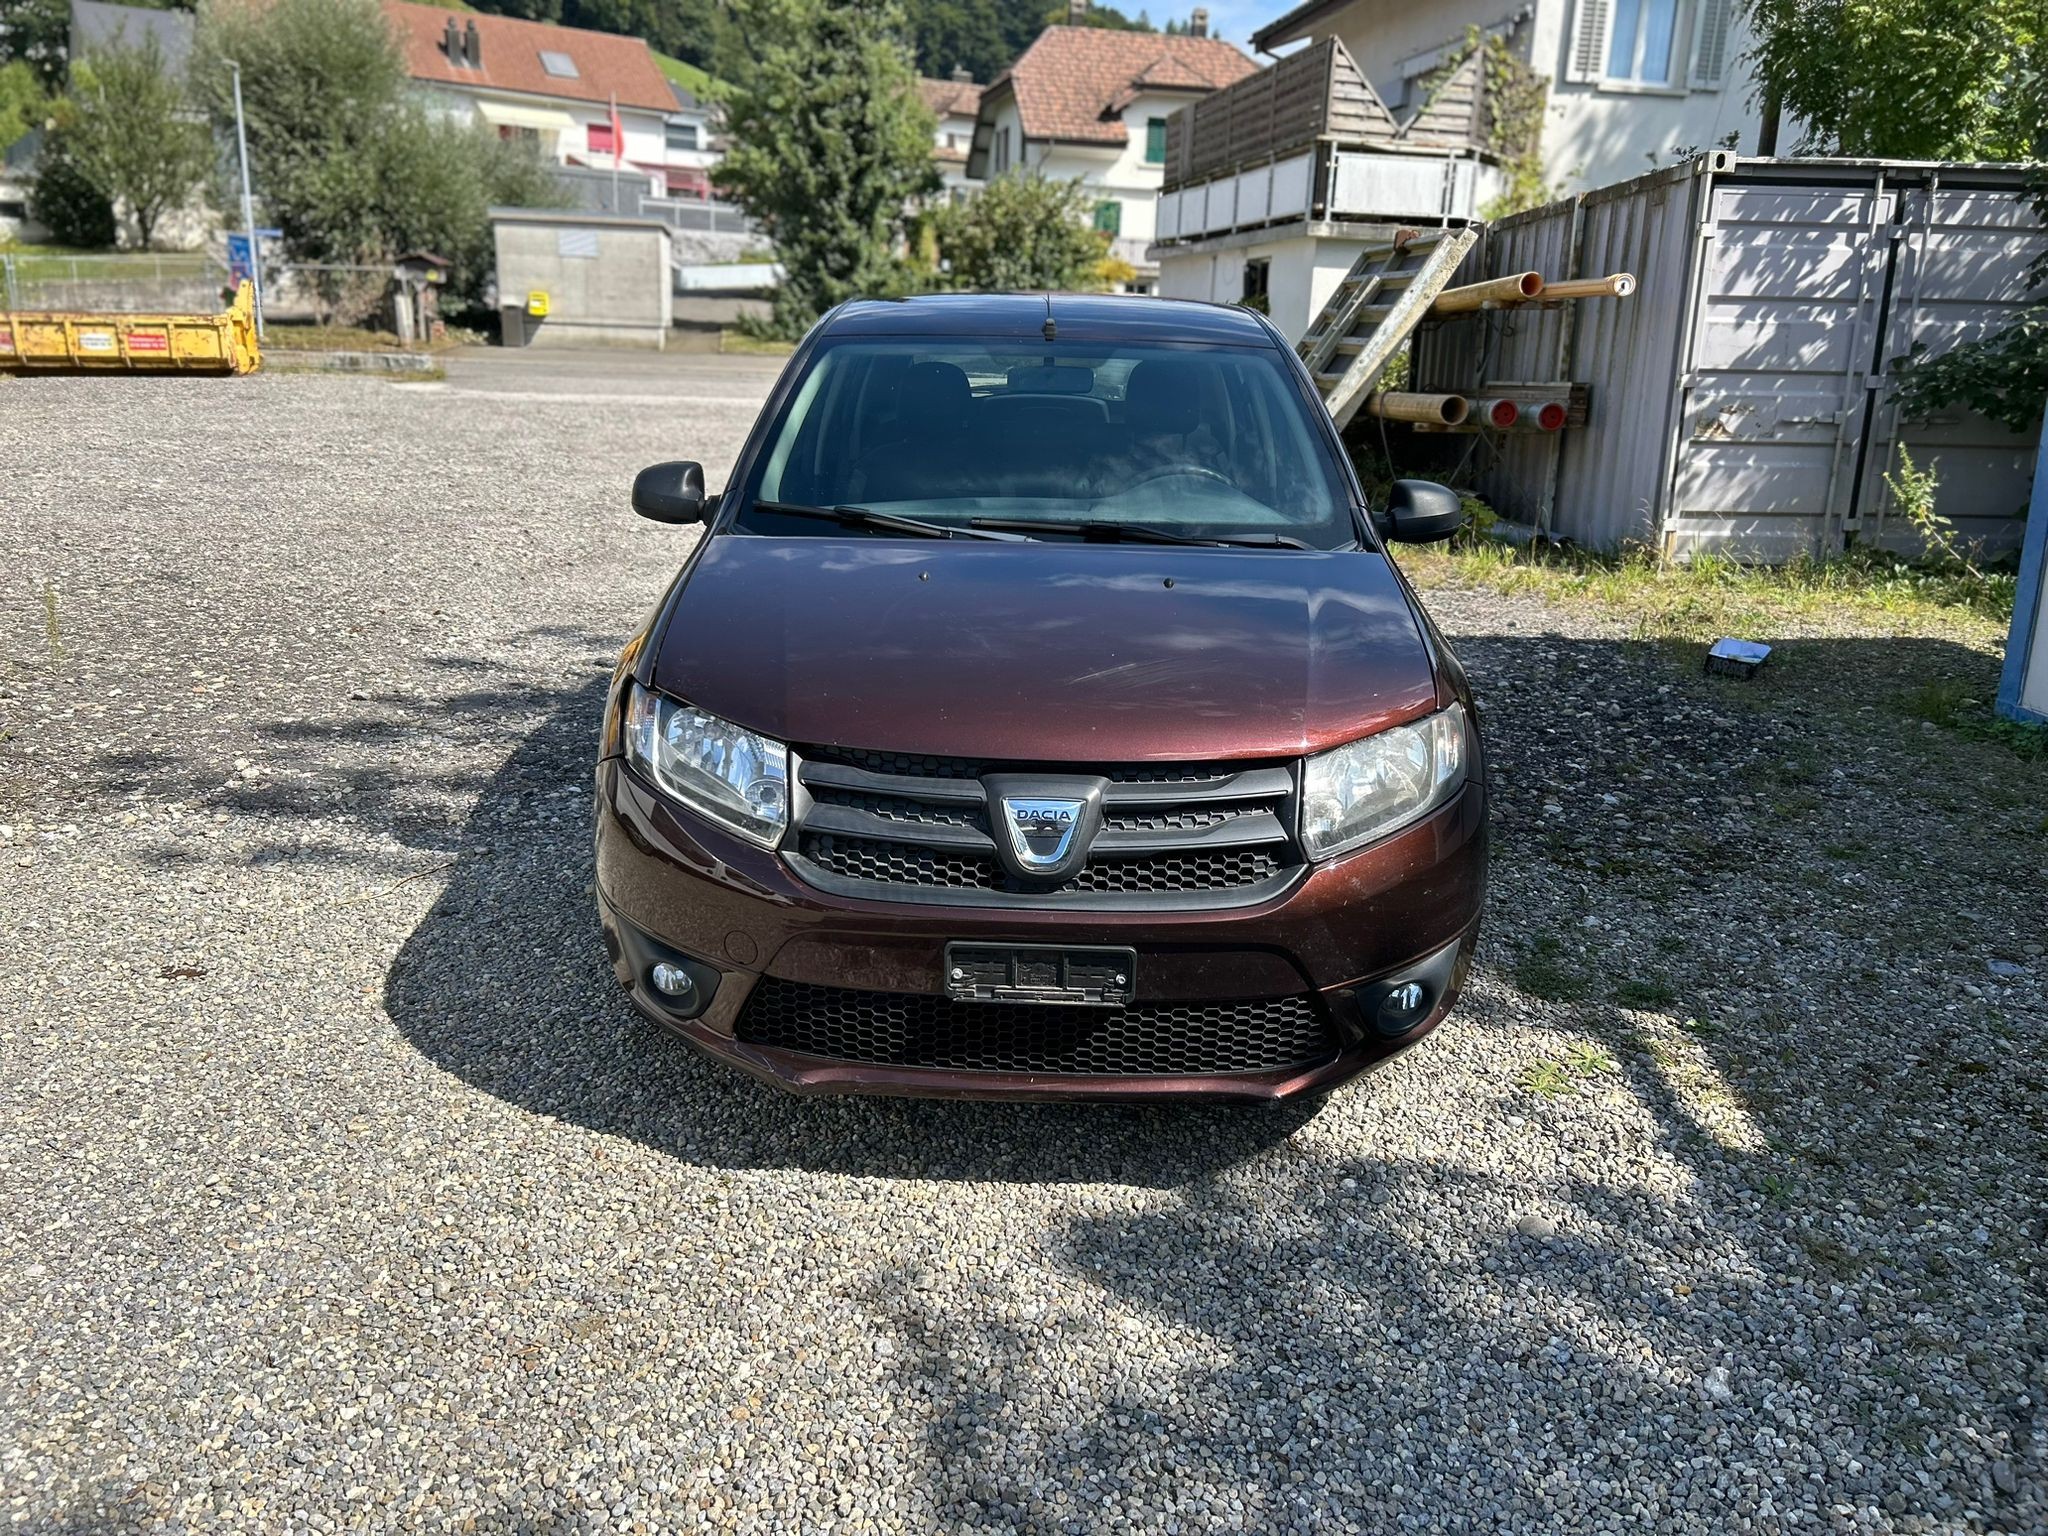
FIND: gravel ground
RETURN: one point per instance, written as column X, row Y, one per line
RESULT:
column 339, row 1189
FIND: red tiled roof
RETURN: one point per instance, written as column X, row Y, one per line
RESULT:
column 950, row 98
column 1072, row 81
column 605, row 65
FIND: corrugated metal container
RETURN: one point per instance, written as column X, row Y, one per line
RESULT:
column 1739, row 399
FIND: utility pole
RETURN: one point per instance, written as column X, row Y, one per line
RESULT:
column 248, row 204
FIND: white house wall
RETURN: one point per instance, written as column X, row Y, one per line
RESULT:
column 1593, row 135
column 1305, row 272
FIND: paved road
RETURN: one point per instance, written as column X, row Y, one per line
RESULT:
column 339, row 1190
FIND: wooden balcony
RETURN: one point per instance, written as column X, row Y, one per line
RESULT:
column 1309, row 139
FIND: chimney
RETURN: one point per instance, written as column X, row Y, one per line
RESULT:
column 1077, row 13
column 1198, row 22
column 473, row 45
column 451, row 42
column 962, row 75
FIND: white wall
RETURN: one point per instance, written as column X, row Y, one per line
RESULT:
column 1304, row 274
column 1598, row 134
column 1594, row 134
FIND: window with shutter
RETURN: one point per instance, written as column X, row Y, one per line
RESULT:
column 1710, row 43
column 1109, row 217
column 1591, row 21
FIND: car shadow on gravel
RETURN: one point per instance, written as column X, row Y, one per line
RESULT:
column 505, row 984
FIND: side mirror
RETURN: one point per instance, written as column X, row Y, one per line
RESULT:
column 670, row 493
column 1420, row 512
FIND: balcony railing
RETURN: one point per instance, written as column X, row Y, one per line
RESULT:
column 1309, row 138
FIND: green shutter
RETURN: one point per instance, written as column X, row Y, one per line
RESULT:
column 1155, row 141
column 1109, row 216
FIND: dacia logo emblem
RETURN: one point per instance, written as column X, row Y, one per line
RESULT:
column 1041, row 831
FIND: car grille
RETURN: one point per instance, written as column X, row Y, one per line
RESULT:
column 1146, row 1039
column 892, row 827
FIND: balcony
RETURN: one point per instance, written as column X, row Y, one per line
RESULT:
column 1308, row 141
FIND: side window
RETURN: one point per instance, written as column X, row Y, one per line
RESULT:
column 1155, row 141
column 1109, row 216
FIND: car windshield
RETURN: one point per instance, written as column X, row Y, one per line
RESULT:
column 1086, row 440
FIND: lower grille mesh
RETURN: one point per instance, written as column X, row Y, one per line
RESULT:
column 918, row 1030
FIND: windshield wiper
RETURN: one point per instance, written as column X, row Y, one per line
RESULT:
column 886, row 522
column 1140, row 533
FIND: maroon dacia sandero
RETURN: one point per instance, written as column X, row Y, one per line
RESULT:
column 1040, row 716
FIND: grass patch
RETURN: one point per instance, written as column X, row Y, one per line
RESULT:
column 1545, row 972
column 340, row 338
column 698, row 82
column 753, row 346
column 1714, row 595
column 1641, row 992
column 1954, row 706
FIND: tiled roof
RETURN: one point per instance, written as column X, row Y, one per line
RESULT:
column 950, row 98
column 605, row 65
column 1072, row 81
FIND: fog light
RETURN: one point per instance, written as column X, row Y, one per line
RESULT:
column 671, row 980
column 1404, row 1006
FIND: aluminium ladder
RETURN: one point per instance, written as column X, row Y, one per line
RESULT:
column 1374, row 311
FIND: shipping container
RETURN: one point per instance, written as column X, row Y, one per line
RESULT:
column 1741, row 400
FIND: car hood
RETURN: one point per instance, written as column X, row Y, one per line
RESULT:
column 1060, row 652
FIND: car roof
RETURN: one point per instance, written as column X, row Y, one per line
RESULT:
column 1092, row 317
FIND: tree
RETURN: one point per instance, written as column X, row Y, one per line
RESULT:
column 128, row 131
column 831, row 145
column 66, row 202
column 1911, row 79
column 347, row 167
column 1022, row 233
column 22, row 103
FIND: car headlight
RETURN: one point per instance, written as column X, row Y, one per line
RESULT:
column 736, row 777
column 1366, row 788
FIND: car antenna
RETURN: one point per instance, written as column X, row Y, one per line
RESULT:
column 1050, row 329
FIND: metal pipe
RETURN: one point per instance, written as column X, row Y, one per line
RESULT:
column 1500, row 413
column 1518, row 288
column 1404, row 405
column 1618, row 285
column 248, row 204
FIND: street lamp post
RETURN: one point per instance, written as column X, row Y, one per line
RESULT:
column 248, row 204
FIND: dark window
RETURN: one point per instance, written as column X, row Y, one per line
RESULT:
column 1258, row 284
column 682, row 136
column 1155, row 141
column 1220, row 439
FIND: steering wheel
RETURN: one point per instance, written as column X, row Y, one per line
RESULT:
column 1176, row 472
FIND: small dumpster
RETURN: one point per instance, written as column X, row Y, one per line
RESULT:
column 64, row 343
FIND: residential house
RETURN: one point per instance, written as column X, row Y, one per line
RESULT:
column 1381, row 120
column 1634, row 84
column 956, row 103
column 1092, row 104
column 95, row 24
column 585, row 99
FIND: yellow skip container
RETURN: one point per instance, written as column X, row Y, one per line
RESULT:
column 63, row 343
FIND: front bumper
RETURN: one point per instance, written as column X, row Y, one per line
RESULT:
column 672, row 886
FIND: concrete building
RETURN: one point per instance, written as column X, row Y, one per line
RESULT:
column 559, row 88
column 1089, row 104
column 583, row 279
column 956, row 103
column 1273, row 187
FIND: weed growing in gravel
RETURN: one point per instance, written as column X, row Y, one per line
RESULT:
column 1644, row 992
column 1952, row 705
column 1543, row 971
column 1585, row 1059
column 1547, row 1079
column 53, row 631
